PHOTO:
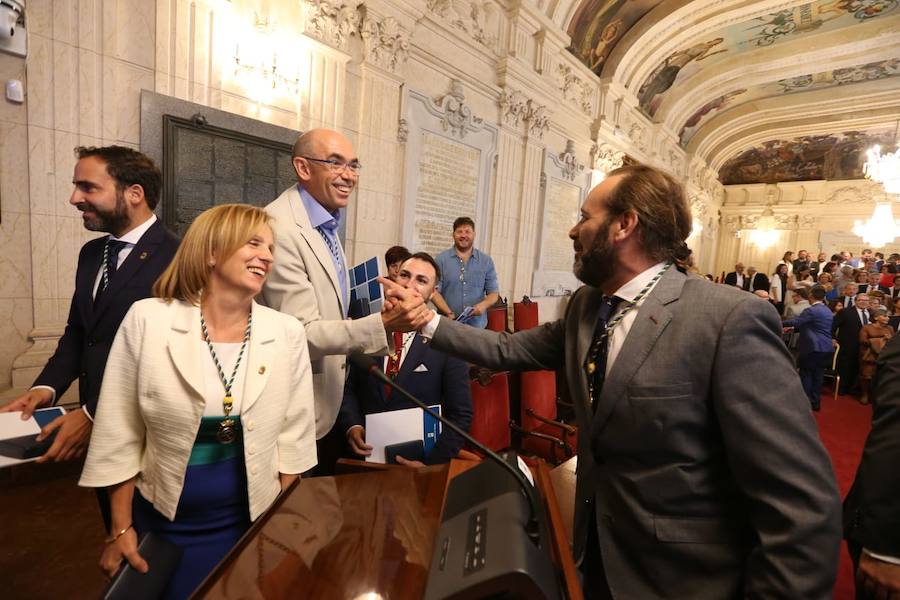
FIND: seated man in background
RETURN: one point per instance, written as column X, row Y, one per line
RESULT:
column 429, row 375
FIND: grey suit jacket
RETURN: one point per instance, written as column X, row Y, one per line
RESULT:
column 702, row 462
column 304, row 283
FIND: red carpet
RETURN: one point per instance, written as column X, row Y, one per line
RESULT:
column 844, row 424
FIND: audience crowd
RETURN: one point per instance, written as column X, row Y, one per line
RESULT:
column 862, row 295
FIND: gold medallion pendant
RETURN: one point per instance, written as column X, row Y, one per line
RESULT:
column 226, row 433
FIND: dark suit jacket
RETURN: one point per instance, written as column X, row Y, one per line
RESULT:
column 446, row 382
column 845, row 329
column 90, row 330
column 704, row 483
column 872, row 509
column 731, row 278
column 814, row 327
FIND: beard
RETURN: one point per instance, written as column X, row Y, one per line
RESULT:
column 597, row 264
column 108, row 221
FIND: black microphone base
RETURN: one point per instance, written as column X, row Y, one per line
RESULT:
column 482, row 549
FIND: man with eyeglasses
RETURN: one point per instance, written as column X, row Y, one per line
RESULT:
column 469, row 278
column 309, row 277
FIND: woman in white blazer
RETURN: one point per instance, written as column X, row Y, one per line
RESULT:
column 206, row 409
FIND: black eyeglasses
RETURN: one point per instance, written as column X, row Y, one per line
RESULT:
column 337, row 166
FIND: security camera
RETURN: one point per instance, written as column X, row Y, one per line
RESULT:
column 11, row 12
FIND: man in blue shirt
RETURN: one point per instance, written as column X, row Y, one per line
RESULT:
column 815, row 347
column 468, row 277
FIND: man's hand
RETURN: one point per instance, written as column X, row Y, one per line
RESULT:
column 477, row 309
column 880, row 579
column 124, row 547
column 404, row 308
column 409, row 463
column 29, row 401
column 71, row 439
column 357, row 439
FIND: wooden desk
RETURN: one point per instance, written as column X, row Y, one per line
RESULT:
column 367, row 534
column 339, row 537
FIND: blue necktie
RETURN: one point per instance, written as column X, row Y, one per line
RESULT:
column 597, row 355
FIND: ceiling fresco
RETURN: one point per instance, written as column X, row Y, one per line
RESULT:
column 598, row 25
column 734, row 78
column 762, row 32
column 804, row 158
column 872, row 71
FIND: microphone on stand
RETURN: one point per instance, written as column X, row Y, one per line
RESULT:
column 492, row 541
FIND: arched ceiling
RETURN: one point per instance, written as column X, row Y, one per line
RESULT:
column 763, row 91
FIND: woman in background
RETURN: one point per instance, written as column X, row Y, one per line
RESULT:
column 206, row 409
column 872, row 338
column 393, row 258
column 779, row 287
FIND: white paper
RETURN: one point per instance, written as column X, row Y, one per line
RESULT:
column 12, row 426
column 394, row 427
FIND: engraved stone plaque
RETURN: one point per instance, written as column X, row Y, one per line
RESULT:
column 448, row 167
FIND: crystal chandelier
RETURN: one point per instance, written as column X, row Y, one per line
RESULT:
column 881, row 228
column 765, row 235
column 884, row 168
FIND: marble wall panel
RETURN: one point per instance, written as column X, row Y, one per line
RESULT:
column 15, row 260
column 16, row 321
column 40, row 19
column 40, row 170
column 65, row 21
column 136, row 41
column 90, row 25
column 40, row 81
column 122, row 110
column 45, row 312
column 64, row 160
column 90, row 91
column 44, row 255
column 65, row 87
column 13, row 169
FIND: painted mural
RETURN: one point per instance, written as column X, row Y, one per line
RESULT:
column 704, row 113
column 816, row 17
column 805, row 158
column 598, row 25
column 808, row 82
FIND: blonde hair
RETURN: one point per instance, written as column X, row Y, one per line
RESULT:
column 215, row 235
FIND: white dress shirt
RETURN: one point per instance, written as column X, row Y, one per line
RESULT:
column 628, row 292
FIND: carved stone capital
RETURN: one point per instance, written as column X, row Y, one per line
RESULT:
column 538, row 119
column 456, row 117
column 386, row 43
column 605, row 158
column 477, row 19
column 513, row 106
column 331, row 21
column 574, row 89
column 569, row 163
